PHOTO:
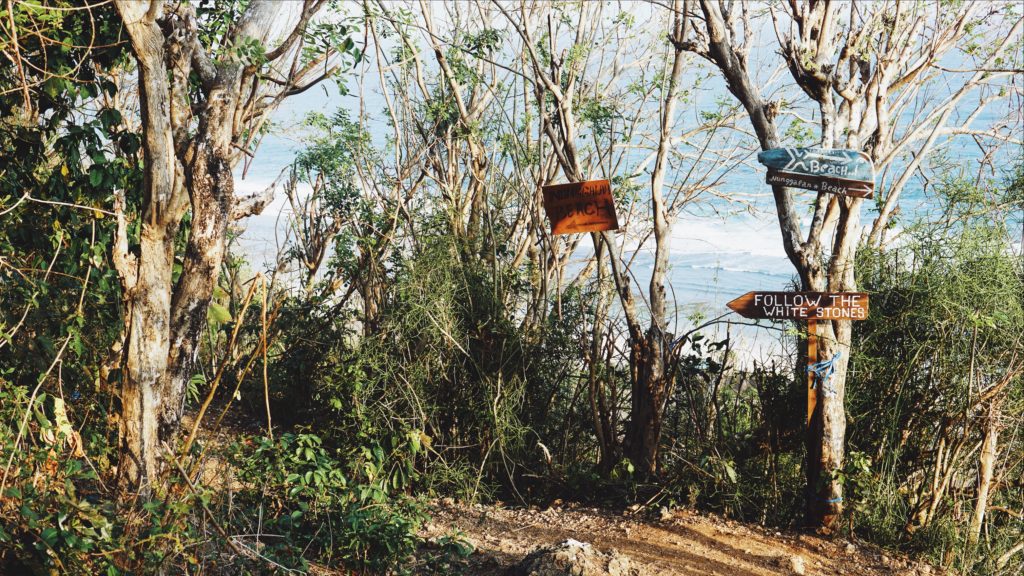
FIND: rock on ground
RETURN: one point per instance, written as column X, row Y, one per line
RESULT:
column 796, row 565
column 573, row 558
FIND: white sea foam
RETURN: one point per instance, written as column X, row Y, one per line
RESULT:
column 758, row 236
column 721, row 268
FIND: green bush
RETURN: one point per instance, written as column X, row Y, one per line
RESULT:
column 56, row 509
column 303, row 503
column 945, row 326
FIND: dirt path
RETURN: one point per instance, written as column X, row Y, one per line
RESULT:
column 682, row 543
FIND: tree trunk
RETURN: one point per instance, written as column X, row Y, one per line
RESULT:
column 826, row 488
column 598, row 409
column 986, row 466
column 827, row 433
column 648, row 399
column 148, row 277
column 827, row 429
column 370, row 291
column 557, row 81
column 148, row 341
column 649, row 353
column 189, row 141
column 211, row 194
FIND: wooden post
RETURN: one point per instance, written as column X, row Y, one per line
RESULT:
column 809, row 307
column 814, row 440
column 812, row 358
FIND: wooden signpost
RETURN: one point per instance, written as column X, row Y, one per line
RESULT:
column 580, row 207
column 808, row 306
column 830, row 170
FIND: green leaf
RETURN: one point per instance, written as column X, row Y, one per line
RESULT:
column 730, row 472
column 95, row 176
column 110, row 117
column 49, row 536
column 219, row 314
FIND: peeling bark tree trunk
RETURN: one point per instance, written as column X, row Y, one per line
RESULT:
column 211, row 192
column 148, row 276
column 148, row 342
column 190, row 145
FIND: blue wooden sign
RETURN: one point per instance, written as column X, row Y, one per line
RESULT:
column 830, row 170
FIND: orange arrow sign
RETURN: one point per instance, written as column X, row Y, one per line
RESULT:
column 802, row 305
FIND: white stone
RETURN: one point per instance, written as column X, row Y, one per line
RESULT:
column 796, row 565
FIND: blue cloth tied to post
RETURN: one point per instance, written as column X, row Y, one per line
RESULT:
column 823, row 372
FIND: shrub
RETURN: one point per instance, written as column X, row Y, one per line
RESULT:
column 301, row 503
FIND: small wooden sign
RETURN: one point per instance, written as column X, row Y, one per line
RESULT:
column 580, row 207
column 802, row 305
column 830, row 170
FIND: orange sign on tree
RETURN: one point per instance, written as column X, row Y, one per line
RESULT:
column 580, row 207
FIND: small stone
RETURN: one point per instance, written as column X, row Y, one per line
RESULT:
column 796, row 565
column 574, row 558
column 664, row 514
column 851, row 548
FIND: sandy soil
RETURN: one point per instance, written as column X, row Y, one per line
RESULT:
column 678, row 542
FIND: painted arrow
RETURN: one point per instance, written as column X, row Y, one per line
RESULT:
column 830, row 170
column 802, row 305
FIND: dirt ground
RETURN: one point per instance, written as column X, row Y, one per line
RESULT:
column 677, row 543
